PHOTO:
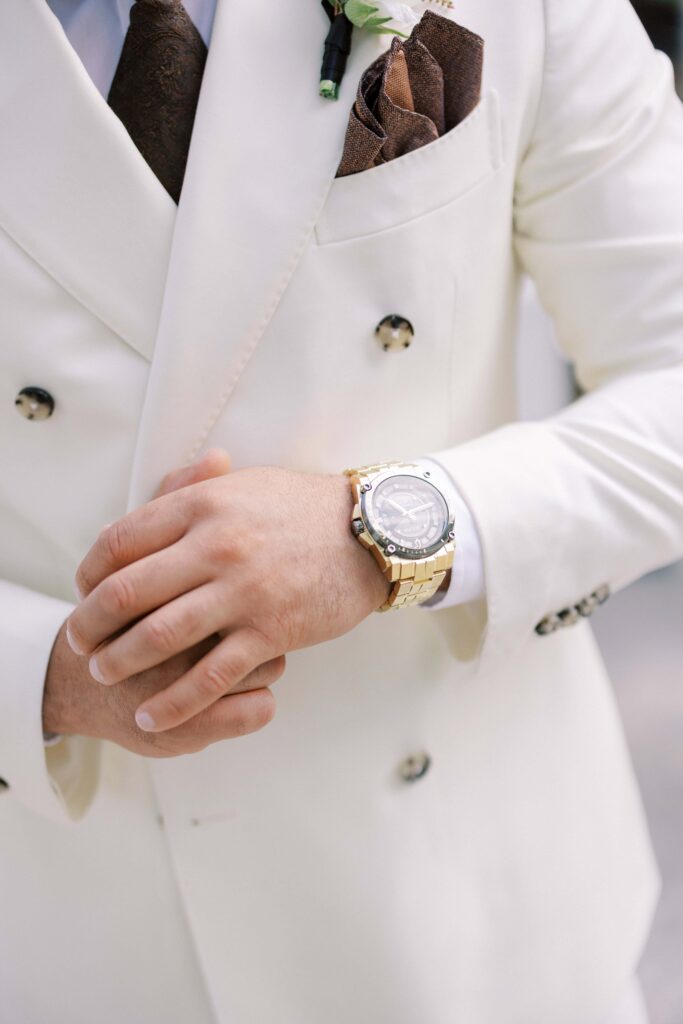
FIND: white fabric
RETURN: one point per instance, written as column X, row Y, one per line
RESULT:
column 630, row 1009
column 28, row 627
column 515, row 881
column 96, row 29
column 467, row 574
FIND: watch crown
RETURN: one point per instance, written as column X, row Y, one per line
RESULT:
column 357, row 526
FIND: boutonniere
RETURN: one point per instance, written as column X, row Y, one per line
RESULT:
column 377, row 17
column 372, row 17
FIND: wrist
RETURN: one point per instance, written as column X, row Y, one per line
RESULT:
column 362, row 566
column 63, row 691
column 404, row 519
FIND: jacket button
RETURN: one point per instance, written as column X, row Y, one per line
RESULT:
column 3, row 785
column 414, row 767
column 569, row 616
column 548, row 625
column 587, row 606
column 394, row 333
column 35, row 403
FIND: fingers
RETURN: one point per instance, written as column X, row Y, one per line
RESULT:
column 168, row 630
column 265, row 675
column 147, row 529
column 232, row 716
column 214, row 462
column 218, row 673
column 152, row 527
column 134, row 591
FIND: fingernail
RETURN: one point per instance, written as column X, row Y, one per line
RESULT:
column 70, row 640
column 95, row 670
column 144, row 720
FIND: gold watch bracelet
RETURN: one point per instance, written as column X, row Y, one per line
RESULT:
column 415, row 580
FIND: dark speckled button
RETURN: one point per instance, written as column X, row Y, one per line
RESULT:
column 548, row 625
column 414, row 767
column 35, row 403
column 569, row 616
column 394, row 333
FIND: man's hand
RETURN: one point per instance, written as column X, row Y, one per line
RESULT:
column 264, row 557
column 73, row 705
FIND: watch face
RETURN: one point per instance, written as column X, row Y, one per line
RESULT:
column 408, row 512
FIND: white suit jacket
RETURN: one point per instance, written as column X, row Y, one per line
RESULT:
column 295, row 876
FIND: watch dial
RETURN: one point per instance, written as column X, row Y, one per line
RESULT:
column 409, row 512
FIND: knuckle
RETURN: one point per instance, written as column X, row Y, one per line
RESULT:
column 280, row 665
column 260, row 594
column 254, row 714
column 118, row 594
column 82, row 581
column 162, row 634
column 117, row 541
column 214, row 681
column 238, row 665
column 211, row 547
column 188, row 619
column 226, row 548
column 269, row 633
column 202, row 500
column 274, row 669
column 169, row 479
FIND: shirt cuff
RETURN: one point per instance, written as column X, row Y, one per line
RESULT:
column 467, row 574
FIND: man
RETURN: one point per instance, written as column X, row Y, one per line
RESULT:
column 440, row 821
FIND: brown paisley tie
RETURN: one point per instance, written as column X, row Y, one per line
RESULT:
column 156, row 86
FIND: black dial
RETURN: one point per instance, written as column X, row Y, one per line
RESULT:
column 407, row 512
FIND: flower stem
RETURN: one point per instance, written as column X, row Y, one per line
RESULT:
column 337, row 49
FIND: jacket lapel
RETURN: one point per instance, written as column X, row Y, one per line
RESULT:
column 264, row 153
column 74, row 191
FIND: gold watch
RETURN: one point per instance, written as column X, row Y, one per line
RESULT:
column 405, row 520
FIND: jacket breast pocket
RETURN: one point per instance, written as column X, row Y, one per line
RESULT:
column 417, row 183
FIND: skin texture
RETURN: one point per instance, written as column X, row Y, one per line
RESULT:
column 74, row 704
column 253, row 563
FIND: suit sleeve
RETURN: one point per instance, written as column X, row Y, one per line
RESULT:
column 57, row 782
column 594, row 495
column 467, row 575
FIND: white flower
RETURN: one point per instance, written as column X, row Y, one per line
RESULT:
column 401, row 13
column 375, row 15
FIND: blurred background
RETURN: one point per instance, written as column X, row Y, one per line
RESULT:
column 640, row 631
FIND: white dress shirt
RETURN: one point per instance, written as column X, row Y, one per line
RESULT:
column 96, row 29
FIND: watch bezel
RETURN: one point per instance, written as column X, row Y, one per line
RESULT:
column 380, row 538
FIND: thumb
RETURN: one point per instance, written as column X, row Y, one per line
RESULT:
column 214, row 462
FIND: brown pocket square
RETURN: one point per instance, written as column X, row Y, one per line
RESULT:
column 416, row 91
